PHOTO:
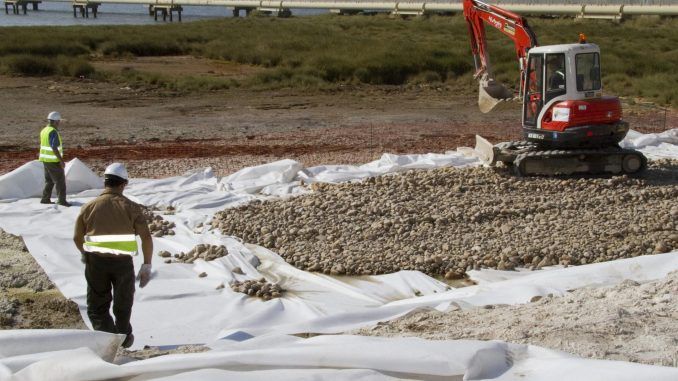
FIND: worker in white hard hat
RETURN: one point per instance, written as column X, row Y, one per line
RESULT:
column 105, row 233
column 51, row 156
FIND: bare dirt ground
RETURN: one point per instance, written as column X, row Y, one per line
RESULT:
column 230, row 129
column 107, row 122
column 159, row 133
column 28, row 299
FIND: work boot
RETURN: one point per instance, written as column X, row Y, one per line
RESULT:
column 129, row 340
column 65, row 203
column 46, row 202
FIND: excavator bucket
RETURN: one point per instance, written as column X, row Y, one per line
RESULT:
column 485, row 150
column 491, row 93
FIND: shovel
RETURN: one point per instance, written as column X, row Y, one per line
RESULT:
column 491, row 93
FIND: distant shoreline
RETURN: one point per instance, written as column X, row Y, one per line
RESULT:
column 61, row 14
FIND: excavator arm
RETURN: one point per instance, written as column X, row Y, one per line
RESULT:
column 515, row 27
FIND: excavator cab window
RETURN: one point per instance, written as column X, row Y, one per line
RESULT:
column 588, row 71
column 534, row 85
column 556, row 84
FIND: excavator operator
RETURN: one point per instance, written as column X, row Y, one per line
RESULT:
column 556, row 72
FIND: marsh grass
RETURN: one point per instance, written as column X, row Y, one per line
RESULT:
column 134, row 78
column 639, row 56
column 37, row 66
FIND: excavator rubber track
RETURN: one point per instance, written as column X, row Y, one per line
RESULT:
column 526, row 158
column 533, row 161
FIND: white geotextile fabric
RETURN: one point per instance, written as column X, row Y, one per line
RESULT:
column 29, row 179
column 253, row 180
column 280, row 357
column 500, row 287
column 388, row 163
column 655, row 146
column 176, row 290
column 22, row 347
column 178, row 307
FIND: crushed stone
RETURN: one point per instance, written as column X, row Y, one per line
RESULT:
column 447, row 221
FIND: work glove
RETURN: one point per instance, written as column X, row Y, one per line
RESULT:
column 144, row 275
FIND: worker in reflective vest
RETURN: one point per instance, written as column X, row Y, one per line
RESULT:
column 51, row 156
column 105, row 233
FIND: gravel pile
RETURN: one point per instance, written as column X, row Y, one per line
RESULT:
column 448, row 221
column 158, row 226
column 258, row 288
column 200, row 251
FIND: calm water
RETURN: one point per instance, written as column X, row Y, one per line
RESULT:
column 115, row 14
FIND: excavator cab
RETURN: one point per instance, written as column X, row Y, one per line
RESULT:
column 546, row 79
column 563, row 105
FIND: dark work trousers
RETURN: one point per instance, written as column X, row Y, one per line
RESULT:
column 103, row 276
column 54, row 174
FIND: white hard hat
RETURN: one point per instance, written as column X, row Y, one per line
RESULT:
column 54, row 115
column 117, row 169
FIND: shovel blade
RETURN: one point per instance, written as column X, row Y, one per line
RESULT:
column 485, row 150
column 491, row 93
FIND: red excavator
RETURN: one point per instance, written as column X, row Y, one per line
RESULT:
column 568, row 125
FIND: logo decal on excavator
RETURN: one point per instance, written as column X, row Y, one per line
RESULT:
column 535, row 136
column 497, row 23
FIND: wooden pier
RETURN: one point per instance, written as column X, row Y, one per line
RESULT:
column 236, row 11
column 18, row 5
column 282, row 8
column 165, row 9
column 84, row 7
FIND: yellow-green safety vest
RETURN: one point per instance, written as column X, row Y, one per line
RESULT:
column 46, row 153
column 125, row 244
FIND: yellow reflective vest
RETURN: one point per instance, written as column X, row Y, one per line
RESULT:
column 111, row 244
column 46, row 153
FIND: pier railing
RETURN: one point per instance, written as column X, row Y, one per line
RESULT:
column 616, row 12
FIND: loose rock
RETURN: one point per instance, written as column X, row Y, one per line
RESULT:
column 446, row 221
column 258, row 288
column 202, row 251
column 158, row 226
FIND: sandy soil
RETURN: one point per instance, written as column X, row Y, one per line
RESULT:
column 628, row 322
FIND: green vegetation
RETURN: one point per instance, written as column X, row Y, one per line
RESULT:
column 38, row 65
column 136, row 78
column 640, row 56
